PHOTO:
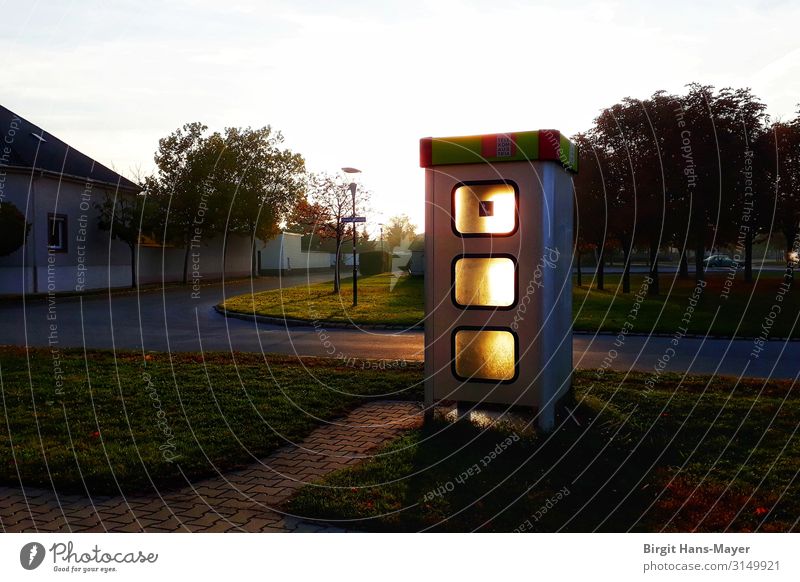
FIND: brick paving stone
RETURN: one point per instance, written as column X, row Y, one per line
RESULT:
column 209, row 519
column 83, row 523
column 121, row 508
column 263, row 525
column 221, row 526
column 114, row 521
column 238, row 501
column 195, row 512
column 172, row 524
column 22, row 526
column 130, row 528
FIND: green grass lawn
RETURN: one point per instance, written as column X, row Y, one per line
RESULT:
column 638, row 460
column 382, row 299
column 742, row 311
column 686, row 456
column 218, row 413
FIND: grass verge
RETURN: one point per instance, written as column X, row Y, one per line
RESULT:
column 688, row 455
column 740, row 311
column 103, row 422
column 382, row 300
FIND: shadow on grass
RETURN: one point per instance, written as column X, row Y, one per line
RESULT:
column 124, row 422
column 691, row 460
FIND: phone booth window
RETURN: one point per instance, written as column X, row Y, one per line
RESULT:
column 484, row 282
column 485, row 209
column 485, row 354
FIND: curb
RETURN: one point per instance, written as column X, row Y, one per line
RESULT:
column 288, row 321
column 418, row 327
column 687, row 335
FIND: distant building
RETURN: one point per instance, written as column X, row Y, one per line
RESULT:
column 417, row 264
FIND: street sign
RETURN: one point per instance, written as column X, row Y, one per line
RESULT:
column 355, row 219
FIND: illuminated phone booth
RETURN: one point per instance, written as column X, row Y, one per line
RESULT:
column 498, row 254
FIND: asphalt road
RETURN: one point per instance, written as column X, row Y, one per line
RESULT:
column 172, row 320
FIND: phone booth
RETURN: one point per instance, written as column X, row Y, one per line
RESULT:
column 498, row 259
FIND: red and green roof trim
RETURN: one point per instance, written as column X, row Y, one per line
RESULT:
column 544, row 144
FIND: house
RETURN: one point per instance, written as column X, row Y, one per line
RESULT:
column 56, row 187
column 417, row 264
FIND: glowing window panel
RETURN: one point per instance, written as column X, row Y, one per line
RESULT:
column 485, row 355
column 485, row 282
column 485, row 209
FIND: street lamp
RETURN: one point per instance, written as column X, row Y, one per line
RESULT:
column 352, row 188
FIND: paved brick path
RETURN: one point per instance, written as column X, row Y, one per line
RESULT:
column 244, row 500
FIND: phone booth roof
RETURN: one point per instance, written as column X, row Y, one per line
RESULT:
column 520, row 146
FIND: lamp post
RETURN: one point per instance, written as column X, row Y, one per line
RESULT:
column 352, row 188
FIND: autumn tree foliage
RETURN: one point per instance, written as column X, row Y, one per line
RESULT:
column 691, row 172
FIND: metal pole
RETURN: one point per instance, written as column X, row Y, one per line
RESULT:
column 355, row 265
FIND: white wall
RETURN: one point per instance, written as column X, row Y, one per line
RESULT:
column 284, row 252
column 205, row 261
column 157, row 264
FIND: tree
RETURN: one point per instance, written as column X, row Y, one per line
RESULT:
column 618, row 133
column 181, row 188
column 591, row 202
column 125, row 218
column 329, row 200
column 13, row 228
column 739, row 122
column 782, row 171
column 258, row 181
column 240, row 182
column 677, row 171
column 701, row 161
column 308, row 218
column 399, row 228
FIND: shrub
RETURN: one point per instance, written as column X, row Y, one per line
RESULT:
column 13, row 228
column 374, row 262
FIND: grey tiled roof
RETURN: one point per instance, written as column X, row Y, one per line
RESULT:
column 50, row 154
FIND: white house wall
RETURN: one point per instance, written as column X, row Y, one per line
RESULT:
column 90, row 259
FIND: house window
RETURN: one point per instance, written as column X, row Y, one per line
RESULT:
column 57, row 232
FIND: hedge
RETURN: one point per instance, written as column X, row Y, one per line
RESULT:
column 374, row 262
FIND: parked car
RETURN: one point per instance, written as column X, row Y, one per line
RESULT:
column 721, row 261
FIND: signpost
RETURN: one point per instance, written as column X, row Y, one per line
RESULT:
column 352, row 187
column 354, row 220
column 498, row 250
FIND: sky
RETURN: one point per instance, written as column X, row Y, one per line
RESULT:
column 358, row 83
